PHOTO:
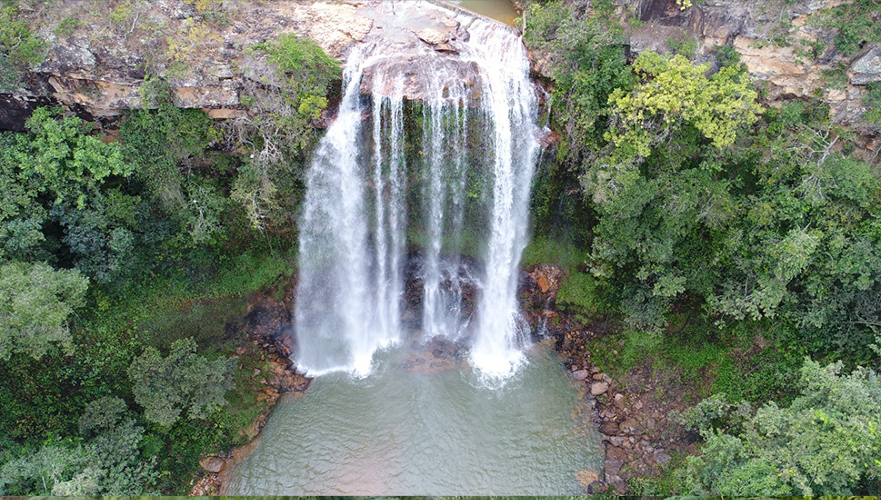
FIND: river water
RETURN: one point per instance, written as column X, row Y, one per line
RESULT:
column 408, row 432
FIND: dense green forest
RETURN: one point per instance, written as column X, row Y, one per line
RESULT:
column 707, row 218
column 688, row 213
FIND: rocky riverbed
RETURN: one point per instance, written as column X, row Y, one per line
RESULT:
column 633, row 414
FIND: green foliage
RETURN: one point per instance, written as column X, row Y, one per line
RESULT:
column 168, row 143
column 685, row 46
column 47, row 472
column 279, row 135
column 825, row 443
column 579, row 294
column 102, row 413
column 306, row 70
column 165, row 387
column 19, row 48
column 64, row 197
column 586, row 57
column 872, row 102
column 675, row 92
column 855, row 23
column 110, row 464
column 35, row 304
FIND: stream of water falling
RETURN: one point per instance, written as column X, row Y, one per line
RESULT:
column 412, row 230
column 463, row 190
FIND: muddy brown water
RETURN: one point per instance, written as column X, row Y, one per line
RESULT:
column 400, row 431
column 500, row 10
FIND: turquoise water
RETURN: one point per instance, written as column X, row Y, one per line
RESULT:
column 443, row 432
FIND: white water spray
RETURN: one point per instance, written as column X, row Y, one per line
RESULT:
column 473, row 167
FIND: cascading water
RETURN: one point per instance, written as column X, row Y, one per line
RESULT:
column 413, row 225
column 462, row 189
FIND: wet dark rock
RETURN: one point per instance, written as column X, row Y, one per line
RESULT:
column 609, row 429
column 597, row 488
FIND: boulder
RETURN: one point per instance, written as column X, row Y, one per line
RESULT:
column 587, row 476
column 867, row 69
column 579, row 375
column 630, row 426
column 212, row 464
column 609, row 428
column 598, row 388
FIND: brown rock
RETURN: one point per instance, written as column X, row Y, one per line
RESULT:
column 630, row 426
column 612, row 467
column 586, row 477
column 543, row 284
column 579, row 375
column 619, row 401
column 212, row 464
column 598, row 388
column 609, row 428
column 615, row 453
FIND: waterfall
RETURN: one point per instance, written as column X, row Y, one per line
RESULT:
column 447, row 171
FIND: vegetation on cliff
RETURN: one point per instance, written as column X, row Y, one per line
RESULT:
column 121, row 262
column 706, row 218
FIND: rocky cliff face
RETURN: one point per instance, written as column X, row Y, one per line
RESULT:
column 97, row 64
column 200, row 47
column 774, row 39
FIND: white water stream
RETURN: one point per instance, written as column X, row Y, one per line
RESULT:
column 471, row 175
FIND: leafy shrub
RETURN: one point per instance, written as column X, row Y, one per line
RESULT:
column 35, row 304
column 825, row 443
column 182, row 381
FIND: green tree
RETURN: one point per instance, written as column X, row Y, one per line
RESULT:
column 66, row 201
column 584, row 54
column 109, row 464
column 35, row 304
column 170, row 145
column 19, row 48
column 827, row 442
column 182, row 381
column 675, row 92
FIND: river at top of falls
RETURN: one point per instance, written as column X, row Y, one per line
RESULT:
column 449, row 174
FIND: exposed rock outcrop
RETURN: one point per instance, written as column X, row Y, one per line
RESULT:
column 775, row 41
column 99, row 67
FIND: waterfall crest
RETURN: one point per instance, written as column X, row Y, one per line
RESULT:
column 449, row 174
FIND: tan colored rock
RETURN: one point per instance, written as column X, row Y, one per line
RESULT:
column 587, row 476
column 225, row 113
column 212, row 464
column 598, row 388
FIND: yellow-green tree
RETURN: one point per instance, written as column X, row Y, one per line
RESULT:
column 675, row 93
